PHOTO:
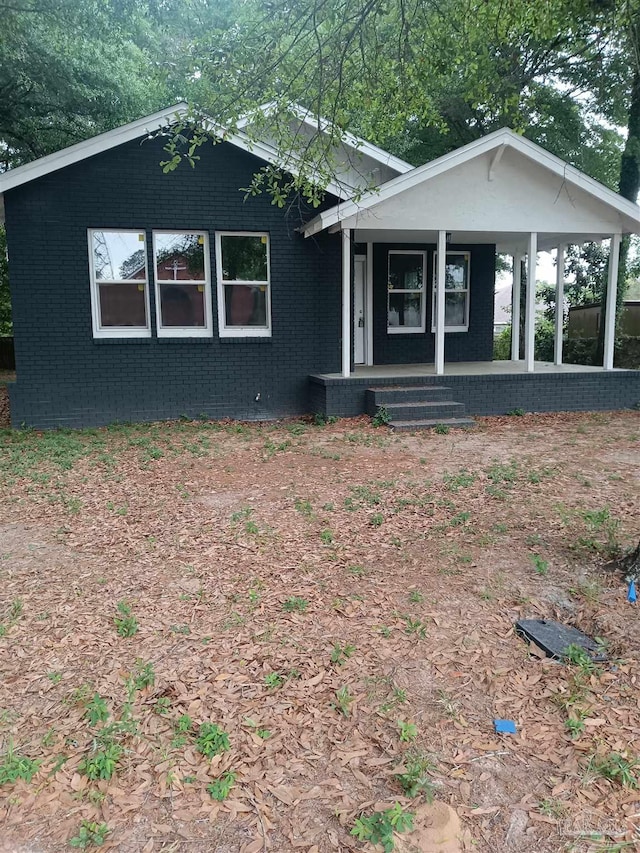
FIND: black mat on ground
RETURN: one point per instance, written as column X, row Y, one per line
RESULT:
column 554, row 637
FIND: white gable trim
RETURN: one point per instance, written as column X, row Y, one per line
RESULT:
column 355, row 142
column 497, row 140
column 134, row 130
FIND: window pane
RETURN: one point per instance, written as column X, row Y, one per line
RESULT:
column 454, row 309
column 244, row 258
column 245, row 305
column 179, row 257
column 405, row 272
column 118, row 255
column 456, row 272
column 122, row 305
column 405, row 309
column 182, row 305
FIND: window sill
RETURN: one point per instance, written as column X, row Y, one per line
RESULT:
column 399, row 330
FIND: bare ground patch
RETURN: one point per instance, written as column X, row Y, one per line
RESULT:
column 247, row 556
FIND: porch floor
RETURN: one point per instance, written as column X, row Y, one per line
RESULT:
column 462, row 368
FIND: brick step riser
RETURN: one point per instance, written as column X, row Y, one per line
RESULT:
column 382, row 396
column 409, row 412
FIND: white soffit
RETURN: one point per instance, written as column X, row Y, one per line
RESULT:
column 489, row 184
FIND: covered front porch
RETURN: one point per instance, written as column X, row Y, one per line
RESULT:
column 474, row 388
column 411, row 251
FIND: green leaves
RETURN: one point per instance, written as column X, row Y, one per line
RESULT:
column 378, row 828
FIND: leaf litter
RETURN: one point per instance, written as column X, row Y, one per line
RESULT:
column 206, row 530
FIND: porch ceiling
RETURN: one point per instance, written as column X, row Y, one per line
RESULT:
column 506, row 242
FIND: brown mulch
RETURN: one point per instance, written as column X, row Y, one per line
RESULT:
column 418, row 551
column 5, row 417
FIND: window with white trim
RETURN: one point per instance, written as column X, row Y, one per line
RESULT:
column 119, row 284
column 183, row 284
column 407, row 273
column 456, row 292
column 244, row 291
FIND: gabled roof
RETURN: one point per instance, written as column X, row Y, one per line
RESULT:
column 357, row 143
column 149, row 124
column 494, row 142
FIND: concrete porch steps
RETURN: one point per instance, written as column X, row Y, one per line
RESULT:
column 412, row 407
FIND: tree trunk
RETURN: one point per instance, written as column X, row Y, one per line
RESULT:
column 628, row 187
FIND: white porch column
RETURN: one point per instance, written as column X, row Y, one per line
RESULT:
column 530, row 313
column 346, row 302
column 440, row 281
column 369, row 302
column 557, row 348
column 612, row 289
column 515, row 306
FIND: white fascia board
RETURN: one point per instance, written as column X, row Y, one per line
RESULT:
column 134, row 130
column 504, row 136
column 89, row 147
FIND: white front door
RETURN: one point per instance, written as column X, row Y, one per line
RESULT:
column 359, row 309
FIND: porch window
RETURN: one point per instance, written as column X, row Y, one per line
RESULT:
column 405, row 291
column 243, row 273
column 456, row 292
column 183, row 299
column 119, row 291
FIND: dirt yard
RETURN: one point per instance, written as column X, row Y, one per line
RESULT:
column 339, row 603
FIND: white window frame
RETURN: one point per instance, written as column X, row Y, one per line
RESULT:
column 409, row 330
column 205, row 331
column 467, row 290
column 117, row 331
column 225, row 331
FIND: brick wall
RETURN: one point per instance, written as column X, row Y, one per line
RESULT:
column 494, row 394
column 474, row 345
column 66, row 378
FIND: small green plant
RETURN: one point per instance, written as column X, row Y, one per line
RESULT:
column 241, row 514
column 14, row 614
column 385, row 631
column 295, row 604
column 303, row 506
column 516, row 413
column 378, row 827
column 251, row 528
column 441, row 429
column 460, row 519
column 340, row 654
column 455, row 482
column 273, row 680
column 552, row 808
column 415, row 626
column 220, row 789
column 574, row 726
column 577, row 656
column 408, row 731
column 142, row 676
column 377, row 519
column 184, row 724
column 126, row 624
column 162, row 706
column 212, row 740
column 540, row 565
column 343, row 701
column 415, row 778
column 54, row 677
column 14, row 766
column 102, row 763
column 89, row 834
column 326, row 537
column 617, row 768
column 96, row 710
column 416, row 597
column 381, row 417
column 358, row 571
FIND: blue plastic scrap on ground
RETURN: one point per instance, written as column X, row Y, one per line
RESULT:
column 631, row 595
column 505, row 727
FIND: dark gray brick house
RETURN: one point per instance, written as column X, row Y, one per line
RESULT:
column 139, row 295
